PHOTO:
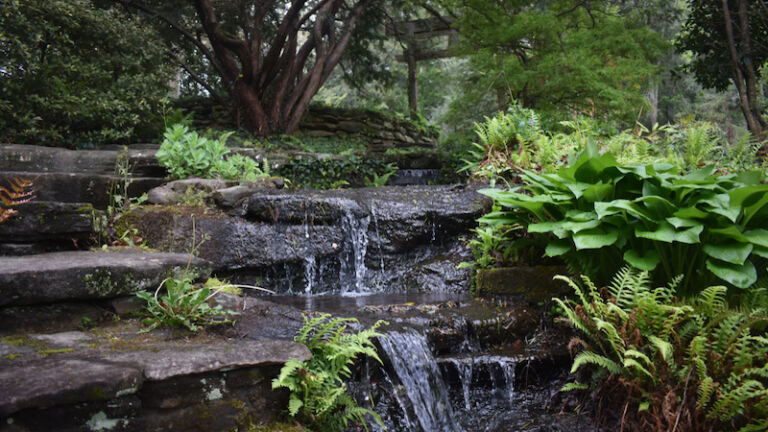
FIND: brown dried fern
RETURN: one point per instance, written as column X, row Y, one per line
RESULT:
column 19, row 191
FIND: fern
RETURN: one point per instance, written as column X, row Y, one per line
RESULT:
column 19, row 191
column 318, row 392
column 718, row 350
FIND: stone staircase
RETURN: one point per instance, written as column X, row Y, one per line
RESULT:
column 71, row 354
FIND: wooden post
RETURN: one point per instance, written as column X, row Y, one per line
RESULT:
column 413, row 82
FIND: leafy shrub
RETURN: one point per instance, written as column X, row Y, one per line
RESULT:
column 511, row 141
column 73, row 74
column 318, row 392
column 597, row 215
column 331, row 173
column 187, row 154
column 696, row 365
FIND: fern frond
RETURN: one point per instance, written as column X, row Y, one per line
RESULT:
column 589, row 357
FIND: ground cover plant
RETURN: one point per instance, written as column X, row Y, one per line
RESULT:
column 319, row 395
column 666, row 364
column 185, row 153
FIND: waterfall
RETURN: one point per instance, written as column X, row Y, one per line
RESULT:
column 507, row 366
column 464, row 367
column 352, row 258
column 310, row 272
column 417, row 371
column 378, row 236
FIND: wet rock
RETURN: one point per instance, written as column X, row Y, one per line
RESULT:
column 535, row 284
column 233, row 243
column 70, row 339
column 87, row 275
column 231, row 196
column 162, row 362
column 79, row 187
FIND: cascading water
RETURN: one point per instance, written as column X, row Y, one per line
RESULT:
column 417, row 372
column 352, row 259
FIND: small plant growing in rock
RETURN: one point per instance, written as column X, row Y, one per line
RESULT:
column 186, row 305
column 318, row 393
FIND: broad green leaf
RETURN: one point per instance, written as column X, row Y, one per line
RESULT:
column 760, row 251
column 612, row 207
column 691, row 213
column 702, row 174
column 734, row 253
column 594, row 238
column 683, row 223
column 664, row 232
column 562, row 225
column 741, row 276
column 757, row 237
column 749, row 178
column 644, row 261
column 598, row 192
column 731, row 232
column 557, row 248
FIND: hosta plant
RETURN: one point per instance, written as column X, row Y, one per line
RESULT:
column 599, row 215
column 319, row 395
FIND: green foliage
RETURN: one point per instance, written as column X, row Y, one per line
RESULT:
column 75, row 75
column 598, row 215
column 556, row 56
column 709, row 357
column 331, row 173
column 187, row 154
column 318, row 393
column 182, row 305
column 512, row 141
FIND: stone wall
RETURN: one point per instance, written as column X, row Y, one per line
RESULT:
column 381, row 131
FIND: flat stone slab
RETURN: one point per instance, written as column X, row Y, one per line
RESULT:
column 60, row 276
column 108, row 363
column 64, row 381
column 39, row 159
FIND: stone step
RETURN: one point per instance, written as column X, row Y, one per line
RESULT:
column 47, row 226
column 61, row 276
column 38, row 159
column 113, row 378
column 93, row 188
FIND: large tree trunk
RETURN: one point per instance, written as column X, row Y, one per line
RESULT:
column 270, row 81
column 743, row 68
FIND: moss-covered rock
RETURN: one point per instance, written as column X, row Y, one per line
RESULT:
column 535, row 284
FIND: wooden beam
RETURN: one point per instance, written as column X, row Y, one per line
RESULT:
column 423, row 28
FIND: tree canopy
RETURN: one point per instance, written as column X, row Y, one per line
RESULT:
column 72, row 74
column 564, row 55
